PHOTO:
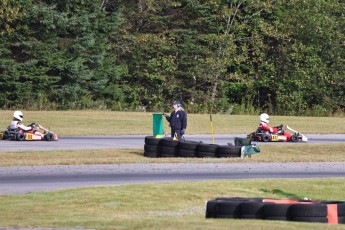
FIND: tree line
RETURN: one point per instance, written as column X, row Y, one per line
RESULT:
column 235, row 56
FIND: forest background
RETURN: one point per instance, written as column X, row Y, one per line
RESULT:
column 233, row 56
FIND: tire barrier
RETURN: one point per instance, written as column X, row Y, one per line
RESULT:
column 332, row 212
column 167, row 147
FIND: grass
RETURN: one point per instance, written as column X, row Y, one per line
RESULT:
column 160, row 205
column 269, row 153
column 84, row 123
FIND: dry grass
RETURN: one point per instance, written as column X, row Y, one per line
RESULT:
column 84, row 123
column 269, row 153
column 159, row 206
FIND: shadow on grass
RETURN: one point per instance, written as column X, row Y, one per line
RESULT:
column 139, row 153
column 282, row 193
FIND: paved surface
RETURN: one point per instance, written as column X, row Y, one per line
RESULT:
column 136, row 141
column 19, row 180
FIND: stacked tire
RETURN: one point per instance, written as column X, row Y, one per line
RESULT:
column 187, row 148
column 228, row 151
column 332, row 212
column 167, row 147
column 151, row 147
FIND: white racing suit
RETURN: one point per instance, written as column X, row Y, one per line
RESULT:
column 20, row 125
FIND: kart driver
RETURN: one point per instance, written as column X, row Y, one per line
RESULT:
column 264, row 120
column 177, row 120
column 16, row 123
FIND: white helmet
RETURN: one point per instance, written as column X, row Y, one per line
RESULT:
column 264, row 117
column 18, row 115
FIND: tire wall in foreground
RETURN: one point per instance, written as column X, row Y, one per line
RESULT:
column 332, row 212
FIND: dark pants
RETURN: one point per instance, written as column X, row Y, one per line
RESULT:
column 176, row 132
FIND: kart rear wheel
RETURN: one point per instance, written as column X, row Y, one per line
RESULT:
column 20, row 137
column 266, row 138
column 6, row 135
column 49, row 137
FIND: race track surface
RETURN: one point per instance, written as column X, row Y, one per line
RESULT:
column 136, row 141
column 19, row 180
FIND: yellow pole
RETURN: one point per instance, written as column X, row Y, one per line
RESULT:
column 212, row 131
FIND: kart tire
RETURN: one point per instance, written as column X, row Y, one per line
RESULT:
column 266, row 137
column 20, row 136
column 49, row 137
column 294, row 138
column 6, row 135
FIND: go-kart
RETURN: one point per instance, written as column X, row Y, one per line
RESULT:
column 264, row 136
column 31, row 135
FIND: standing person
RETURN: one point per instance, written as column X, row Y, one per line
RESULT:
column 177, row 120
column 263, row 126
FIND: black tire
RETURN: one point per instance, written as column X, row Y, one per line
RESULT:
column 151, row 148
column 301, row 212
column 243, row 199
column 167, row 151
column 151, row 140
column 185, row 153
column 20, row 136
column 228, row 151
column 294, row 138
column 169, row 142
column 49, row 137
column 266, row 137
column 252, row 210
column 6, row 135
column 211, row 208
column 206, row 147
column 311, row 219
column 277, row 212
column 188, row 145
column 205, row 154
column 228, row 209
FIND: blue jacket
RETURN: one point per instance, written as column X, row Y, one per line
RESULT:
column 178, row 119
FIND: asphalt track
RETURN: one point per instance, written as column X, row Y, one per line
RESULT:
column 19, row 180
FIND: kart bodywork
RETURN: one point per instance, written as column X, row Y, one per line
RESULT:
column 264, row 136
column 32, row 135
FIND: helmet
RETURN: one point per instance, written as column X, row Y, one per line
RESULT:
column 264, row 117
column 18, row 115
column 177, row 103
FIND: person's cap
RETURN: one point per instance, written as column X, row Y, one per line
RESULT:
column 176, row 102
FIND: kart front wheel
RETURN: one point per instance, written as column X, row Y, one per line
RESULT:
column 49, row 137
column 294, row 138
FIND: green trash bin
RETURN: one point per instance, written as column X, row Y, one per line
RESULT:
column 157, row 125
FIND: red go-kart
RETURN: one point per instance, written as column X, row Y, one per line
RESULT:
column 264, row 136
column 31, row 135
